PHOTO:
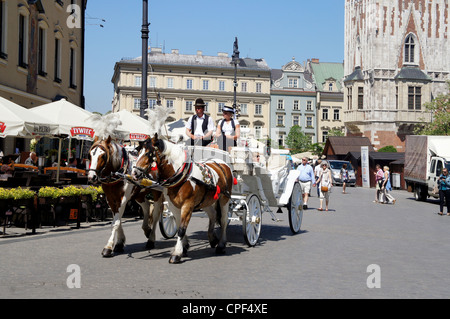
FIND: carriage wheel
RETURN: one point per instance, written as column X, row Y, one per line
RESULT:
column 252, row 221
column 295, row 209
column 167, row 223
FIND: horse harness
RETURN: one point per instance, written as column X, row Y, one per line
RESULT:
column 113, row 177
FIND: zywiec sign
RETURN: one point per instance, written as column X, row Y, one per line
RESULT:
column 2, row 127
column 86, row 131
column 138, row 136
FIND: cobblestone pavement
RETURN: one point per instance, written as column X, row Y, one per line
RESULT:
column 331, row 257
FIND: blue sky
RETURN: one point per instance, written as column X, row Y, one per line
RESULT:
column 269, row 29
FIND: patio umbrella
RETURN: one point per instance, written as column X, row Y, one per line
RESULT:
column 16, row 120
column 72, row 121
column 137, row 127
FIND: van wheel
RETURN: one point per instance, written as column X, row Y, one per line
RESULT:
column 420, row 193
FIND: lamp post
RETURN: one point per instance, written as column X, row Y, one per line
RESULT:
column 144, row 36
column 235, row 60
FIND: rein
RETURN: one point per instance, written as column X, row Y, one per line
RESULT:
column 114, row 176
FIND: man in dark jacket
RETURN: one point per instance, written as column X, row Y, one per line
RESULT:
column 200, row 126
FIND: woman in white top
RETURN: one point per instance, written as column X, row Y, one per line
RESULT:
column 325, row 181
column 228, row 130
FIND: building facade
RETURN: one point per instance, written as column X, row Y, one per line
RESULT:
column 396, row 59
column 327, row 77
column 293, row 102
column 41, row 54
column 180, row 79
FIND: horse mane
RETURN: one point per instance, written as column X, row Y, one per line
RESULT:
column 173, row 153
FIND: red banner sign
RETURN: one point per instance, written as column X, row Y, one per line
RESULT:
column 2, row 127
column 138, row 136
column 82, row 131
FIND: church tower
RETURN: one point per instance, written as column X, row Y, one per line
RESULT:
column 397, row 57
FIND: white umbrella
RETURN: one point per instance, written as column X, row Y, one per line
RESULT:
column 72, row 121
column 137, row 127
column 16, row 120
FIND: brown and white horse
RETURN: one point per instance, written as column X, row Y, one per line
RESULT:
column 188, row 186
column 108, row 158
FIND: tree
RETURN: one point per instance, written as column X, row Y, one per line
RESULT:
column 388, row 149
column 440, row 115
column 297, row 141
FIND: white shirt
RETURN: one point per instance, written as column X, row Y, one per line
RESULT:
column 227, row 127
column 198, row 127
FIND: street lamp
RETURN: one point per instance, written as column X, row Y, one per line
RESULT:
column 144, row 31
column 235, row 60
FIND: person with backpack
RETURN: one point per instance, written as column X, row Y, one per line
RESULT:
column 200, row 127
column 228, row 130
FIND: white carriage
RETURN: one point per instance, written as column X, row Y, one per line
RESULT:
column 258, row 190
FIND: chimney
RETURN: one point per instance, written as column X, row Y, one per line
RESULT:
column 315, row 60
column 199, row 52
column 175, row 51
column 222, row 54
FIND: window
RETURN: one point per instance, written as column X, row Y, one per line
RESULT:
column 324, row 136
column 137, row 104
column 137, row 81
column 244, row 109
column 296, row 104
column 258, row 87
column 258, row 132
column 325, row 114
column 336, row 116
column 220, row 107
column 169, row 103
column 221, row 85
column 244, row 87
column 151, row 104
column 360, row 98
column 281, row 139
column 189, row 84
column 349, row 98
column 330, row 87
column 280, row 105
column 72, row 69
column 409, row 49
column 206, row 107
column 258, row 109
column 152, row 83
column 3, row 33
column 170, row 83
column 296, row 120
column 309, row 121
column 280, row 120
column 414, row 98
column 42, row 51
column 309, row 105
column 57, row 61
column 293, row 82
column 23, row 31
column 189, row 106
column 206, row 85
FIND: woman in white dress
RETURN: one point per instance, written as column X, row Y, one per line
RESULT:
column 325, row 185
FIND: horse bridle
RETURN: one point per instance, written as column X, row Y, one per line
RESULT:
column 99, row 173
column 151, row 155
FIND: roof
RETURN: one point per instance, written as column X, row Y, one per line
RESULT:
column 355, row 76
column 380, row 156
column 157, row 57
column 323, row 71
column 341, row 145
column 412, row 73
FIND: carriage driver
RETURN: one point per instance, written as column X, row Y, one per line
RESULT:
column 200, row 126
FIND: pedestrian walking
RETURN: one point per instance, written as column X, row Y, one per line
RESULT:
column 378, row 181
column 444, row 191
column 306, row 178
column 326, row 183
column 344, row 177
column 386, row 187
column 317, row 170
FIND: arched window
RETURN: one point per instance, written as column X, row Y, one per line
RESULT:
column 409, row 49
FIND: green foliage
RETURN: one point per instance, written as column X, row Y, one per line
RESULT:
column 388, row 149
column 298, row 141
column 16, row 193
column 440, row 112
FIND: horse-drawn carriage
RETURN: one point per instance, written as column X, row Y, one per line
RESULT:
column 256, row 191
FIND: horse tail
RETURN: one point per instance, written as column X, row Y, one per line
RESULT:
column 218, row 214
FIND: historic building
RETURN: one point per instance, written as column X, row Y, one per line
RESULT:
column 180, row 79
column 396, row 59
column 327, row 77
column 293, row 102
column 41, row 54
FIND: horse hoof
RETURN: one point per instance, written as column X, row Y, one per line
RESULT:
column 220, row 250
column 150, row 245
column 214, row 242
column 118, row 248
column 107, row 253
column 175, row 260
